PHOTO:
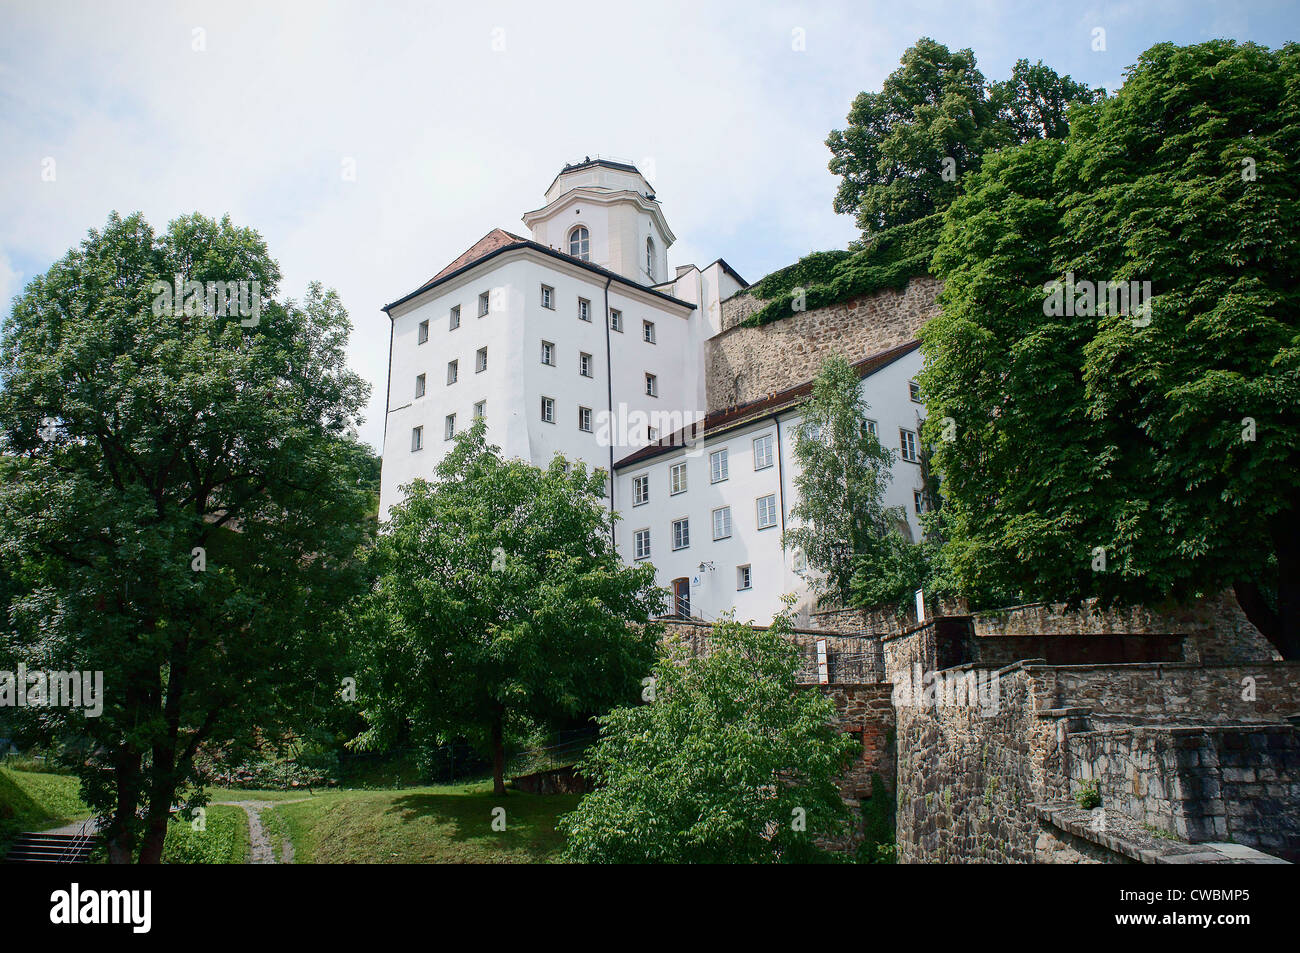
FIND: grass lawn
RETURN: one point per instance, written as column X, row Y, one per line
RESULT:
column 224, row 839
column 423, row 825
column 33, row 801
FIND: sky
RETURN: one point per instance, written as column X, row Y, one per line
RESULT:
column 370, row 144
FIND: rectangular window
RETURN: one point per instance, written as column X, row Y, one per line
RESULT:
column 484, row 302
column 615, row 320
column 641, row 544
column 648, row 332
column 548, row 297
column 449, row 428
column 869, row 427
column 681, row 533
column 677, row 478
column 548, row 353
column 914, row 391
column 584, row 364
column 480, row 361
column 548, row 410
column 584, row 309
column 918, row 501
column 907, row 445
column 417, row 438
column 722, row 522
column 480, row 409
column 419, row 385
column 652, row 385
column 718, row 465
column 423, row 333
column 453, row 371
column 763, row 452
column 744, row 578
column 584, row 419
column 766, row 511
column 453, row 320
column 640, row 490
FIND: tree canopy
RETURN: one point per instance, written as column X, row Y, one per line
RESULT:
column 501, row 602
column 1146, row 448
column 181, row 503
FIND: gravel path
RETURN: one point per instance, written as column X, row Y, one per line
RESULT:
column 260, row 842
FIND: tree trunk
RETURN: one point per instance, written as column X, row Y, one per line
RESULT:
column 155, row 835
column 119, row 835
column 498, row 754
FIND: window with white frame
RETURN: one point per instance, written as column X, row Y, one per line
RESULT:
column 480, row 360
column 584, row 363
column 677, row 478
column 918, row 501
column 548, row 353
column 763, row 452
column 641, row 489
column 419, row 385
column 422, row 334
column 453, row 371
column 722, row 522
column 453, row 318
column 548, row 410
column 484, row 303
column 615, row 319
column 766, row 506
column 449, row 427
column 650, row 257
column 651, row 385
column 681, row 533
column 584, row 419
column 718, row 465
column 641, row 544
column 548, row 297
column 417, row 439
column 914, row 391
column 800, row 561
column 648, row 332
column 907, row 445
column 869, row 427
column 584, row 309
column 580, row 243
column 480, row 409
column 744, row 578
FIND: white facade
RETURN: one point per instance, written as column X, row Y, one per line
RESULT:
column 712, row 568
column 535, row 351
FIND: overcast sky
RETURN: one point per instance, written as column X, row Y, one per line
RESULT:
column 253, row 109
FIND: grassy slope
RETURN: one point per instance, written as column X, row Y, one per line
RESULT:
column 223, row 841
column 31, row 801
column 446, row 824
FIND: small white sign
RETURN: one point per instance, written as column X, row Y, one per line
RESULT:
column 920, row 606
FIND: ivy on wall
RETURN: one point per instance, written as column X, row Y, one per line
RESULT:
column 890, row 260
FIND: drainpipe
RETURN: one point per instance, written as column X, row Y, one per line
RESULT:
column 780, row 479
column 609, row 396
column 388, row 385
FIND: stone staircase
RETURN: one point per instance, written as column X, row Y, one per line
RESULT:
column 51, row 849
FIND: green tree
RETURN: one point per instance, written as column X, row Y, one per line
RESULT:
column 183, row 504
column 1144, row 453
column 905, row 149
column 501, row 603
column 844, row 472
column 730, row 762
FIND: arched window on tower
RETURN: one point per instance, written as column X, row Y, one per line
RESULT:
column 580, row 243
column 650, row 258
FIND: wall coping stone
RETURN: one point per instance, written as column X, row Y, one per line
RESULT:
column 1127, row 837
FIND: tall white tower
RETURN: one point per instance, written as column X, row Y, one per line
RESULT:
column 605, row 212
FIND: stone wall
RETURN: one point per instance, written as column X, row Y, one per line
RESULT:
column 866, row 711
column 746, row 363
column 851, row 659
column 1218, row 630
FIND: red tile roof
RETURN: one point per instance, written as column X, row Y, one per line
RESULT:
column 497, row 238
column 740, row 414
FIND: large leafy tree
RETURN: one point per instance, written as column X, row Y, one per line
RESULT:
column 730, row 762
column 501, row 604
column 180, row 507
column 841, row 483
column 905, row 149
column 1149, row 454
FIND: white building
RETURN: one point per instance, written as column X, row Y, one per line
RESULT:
column 578, row 342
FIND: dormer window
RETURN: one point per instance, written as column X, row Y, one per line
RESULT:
column 580, row 243
column 650, row 257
